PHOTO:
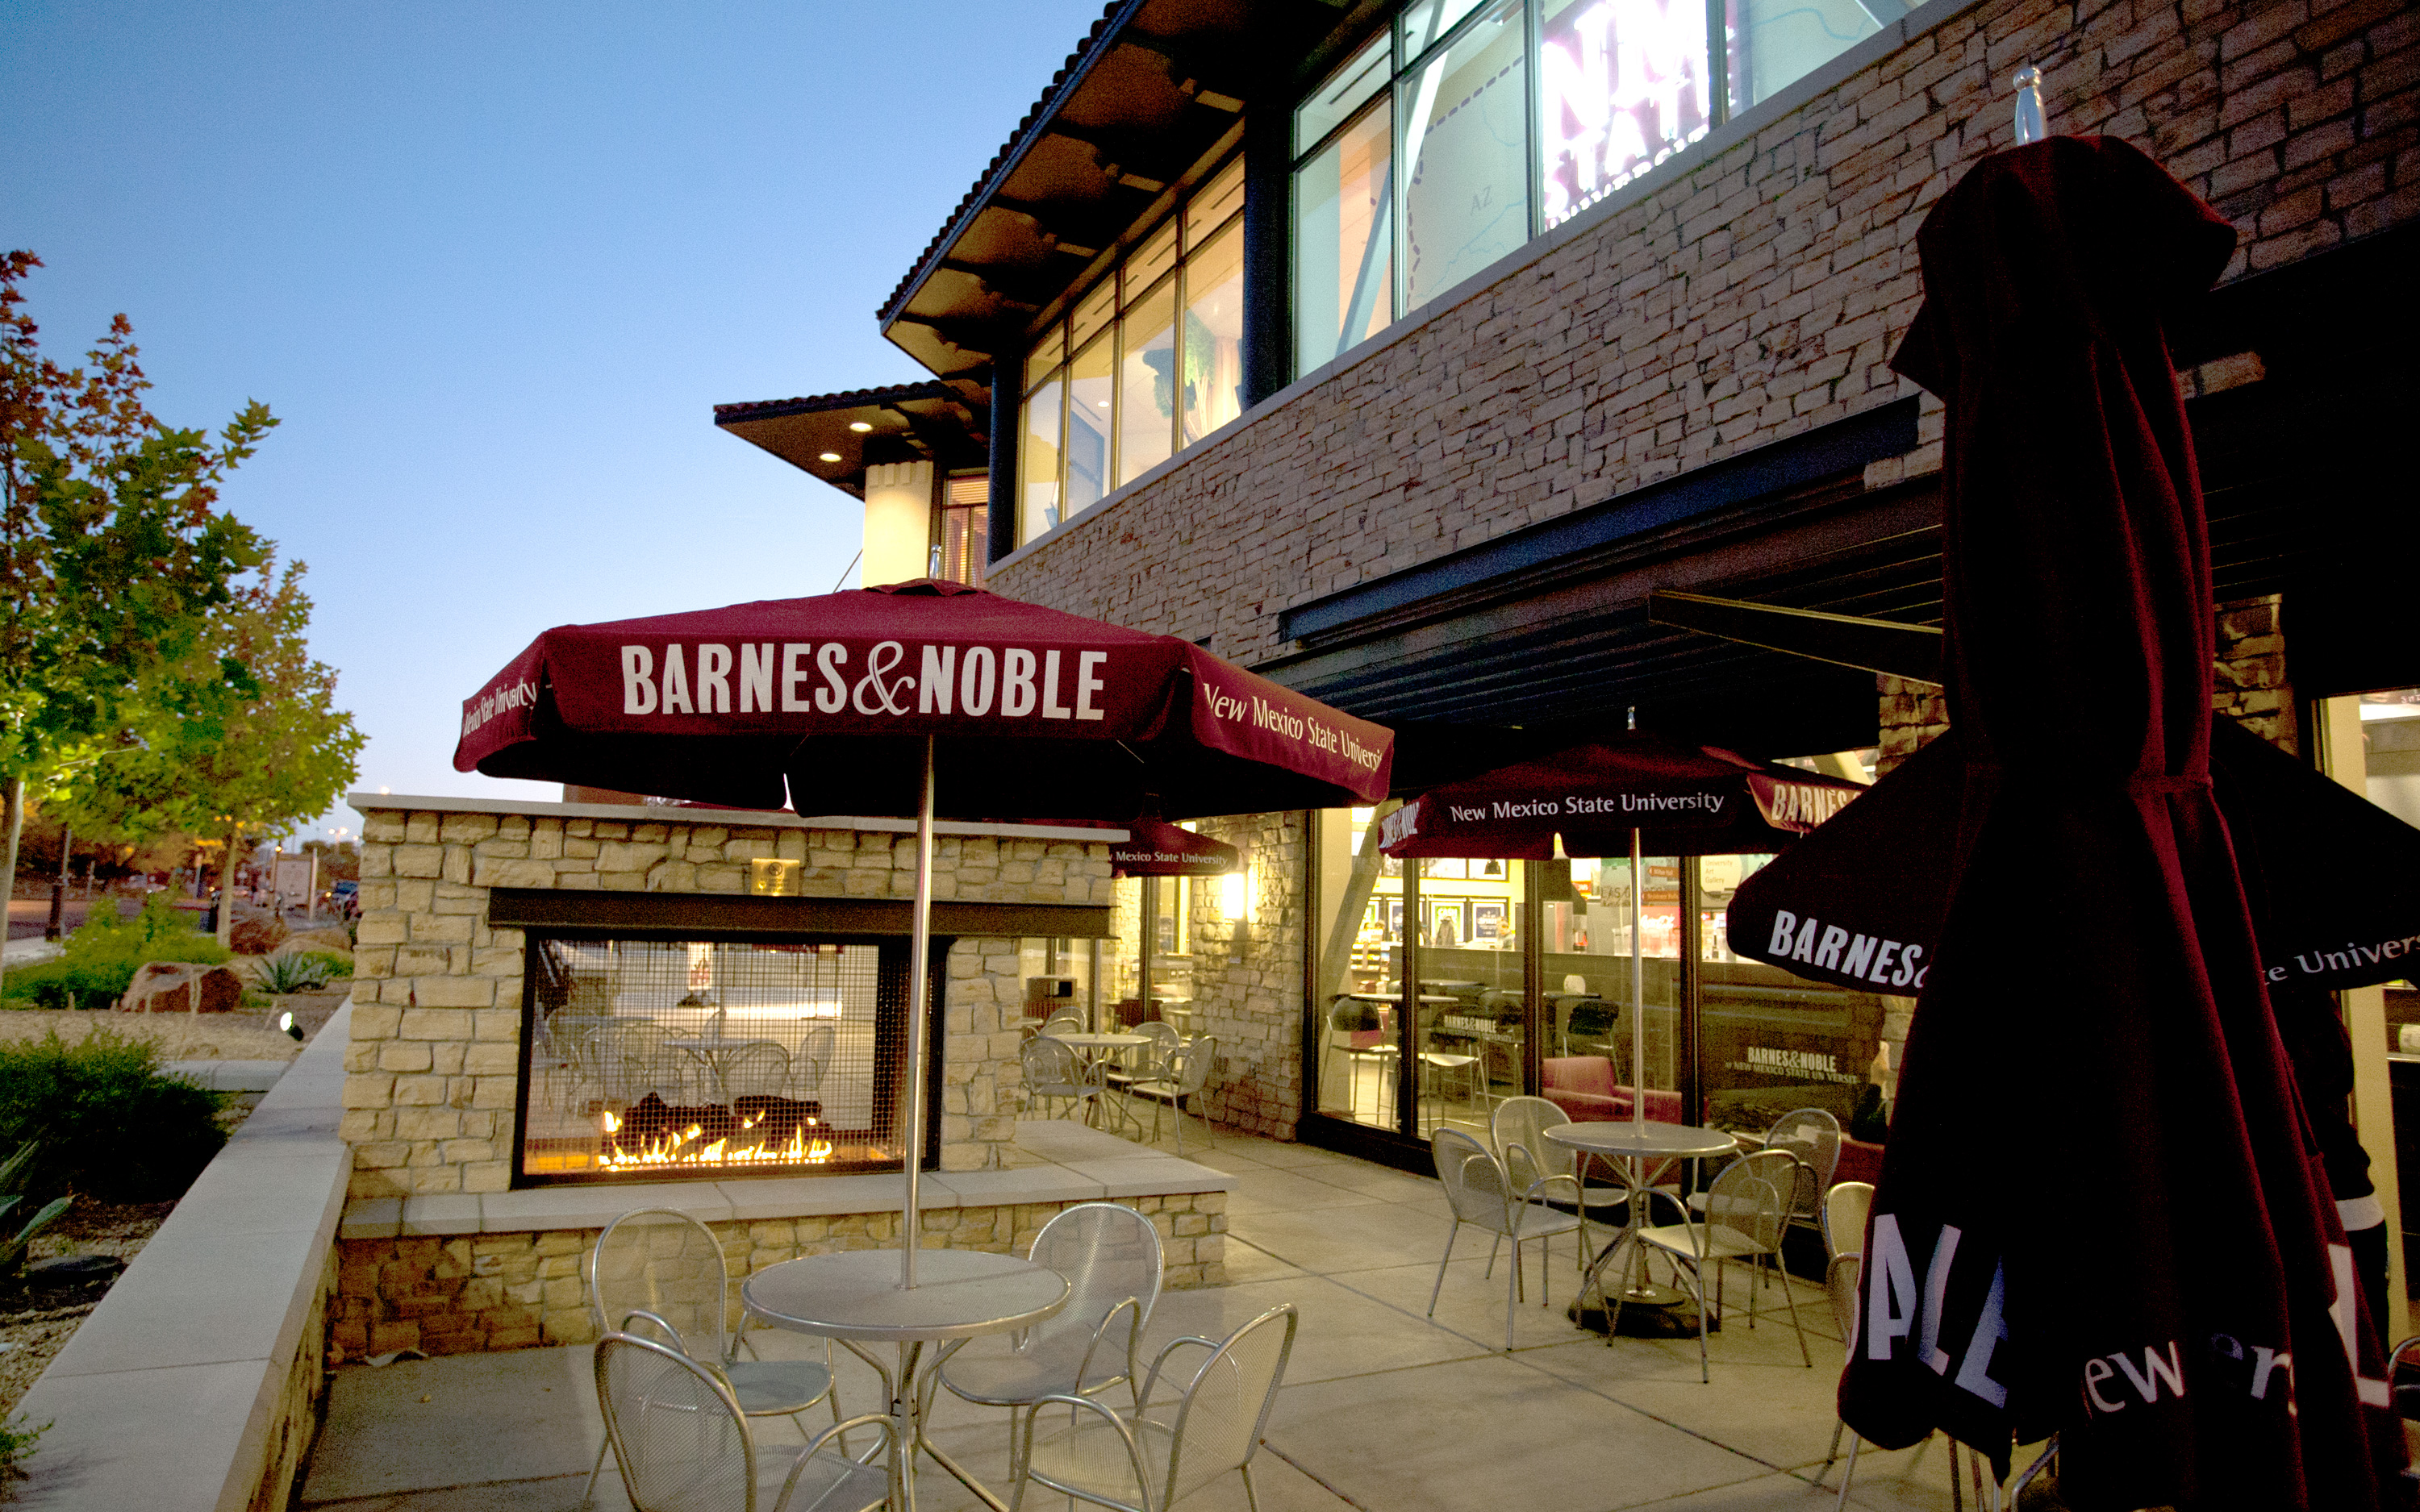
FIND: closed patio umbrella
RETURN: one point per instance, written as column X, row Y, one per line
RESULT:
column 2100, row 1212
column 1641, row 794
column 917, row 697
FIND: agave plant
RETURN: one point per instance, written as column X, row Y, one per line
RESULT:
column 12, row 1176
column 294, row 971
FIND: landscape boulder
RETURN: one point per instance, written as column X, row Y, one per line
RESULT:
column 174, row 987
column 256, row 934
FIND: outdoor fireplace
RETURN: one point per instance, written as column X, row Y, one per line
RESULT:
column 649, row 1056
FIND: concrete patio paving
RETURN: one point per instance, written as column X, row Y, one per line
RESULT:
column 1381, row 1409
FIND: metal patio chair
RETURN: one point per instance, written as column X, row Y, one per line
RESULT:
column 1147, row 1463
column 1356, row 1030
column 1186, row 1072
column 812, row 1062
column 1148, row 1062
column 1052, row 1073
column 755, row 1071
column 1812, row 1137
column 1111, row 1256
column 681, row 1440
column 1746, row 1209
column 667, row 1267
column 634, row 1059
column 1483, row 1195
column 1532, row 1161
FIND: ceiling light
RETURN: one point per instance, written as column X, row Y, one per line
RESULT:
column 860, row 426
column 829, row 456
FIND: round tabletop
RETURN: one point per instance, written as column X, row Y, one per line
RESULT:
column 1100, row 1041
column 1625, row 1137
column 856, row 1295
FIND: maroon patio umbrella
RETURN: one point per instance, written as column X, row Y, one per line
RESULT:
column 1642, row 795
column 917, row 697
column 2100, row 1212
column 1881, row 876
column 1155, row 848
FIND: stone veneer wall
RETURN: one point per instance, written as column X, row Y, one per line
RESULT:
column 1746, row 292
column 1248, row 979
column 507, row 1291
column 432, row 1066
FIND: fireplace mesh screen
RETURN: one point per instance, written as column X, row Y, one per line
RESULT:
column 668, row 1059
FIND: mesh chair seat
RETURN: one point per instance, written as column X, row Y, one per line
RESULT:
column 996, row 1378
column 827, row 1483
column 1715, row 1242
column 777, row 1388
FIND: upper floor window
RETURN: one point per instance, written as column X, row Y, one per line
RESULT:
column 1467, row 128
column 964, row 527
column 1147, row 362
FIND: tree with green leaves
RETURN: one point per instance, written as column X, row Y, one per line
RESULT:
column 111, row 551
column 241, row 737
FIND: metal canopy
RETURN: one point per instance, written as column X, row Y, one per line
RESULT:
column 1153, row 89
column 947, row 424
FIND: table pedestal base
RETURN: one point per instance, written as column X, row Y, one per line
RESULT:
column 909, row 1400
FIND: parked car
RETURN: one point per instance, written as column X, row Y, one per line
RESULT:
column 344, row 897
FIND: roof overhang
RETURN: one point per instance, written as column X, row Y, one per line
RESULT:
column 836, row 436
column 1155, row 87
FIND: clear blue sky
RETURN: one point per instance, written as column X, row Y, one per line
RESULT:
column 493, row 264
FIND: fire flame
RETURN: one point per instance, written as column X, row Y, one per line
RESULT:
column 679, row 1149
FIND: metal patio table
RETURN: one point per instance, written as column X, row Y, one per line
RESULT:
column 856, row 1297
column 1635, row 1144
column 1098, row 1050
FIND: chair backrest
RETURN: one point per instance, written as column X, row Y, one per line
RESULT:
column 756, row 1070
column 1062, row 1024
column 1750, row 1198
column 1475, row 1184
column 1151, row 1059
column 1109, row 1253
column 657, row 1260
column 1841, row 1281
column 1521, row 1123
column 637, row 1058
column 1813, row 1136
column 1048, row 1063
column 1226, row 1410
column 1844, row 1217
column 678, row 1434
column 1357, row 1022
column 1188, row 1064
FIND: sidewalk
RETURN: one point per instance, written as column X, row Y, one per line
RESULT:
column 1383, row 1409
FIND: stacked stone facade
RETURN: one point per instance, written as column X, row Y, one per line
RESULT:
column 1248, row 978
column 432, row 1067
column 476, row 1292
column 1746, row 293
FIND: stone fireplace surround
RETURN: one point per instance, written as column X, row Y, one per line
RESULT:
column 436, row 1252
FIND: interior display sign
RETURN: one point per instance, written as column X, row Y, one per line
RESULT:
column 1622, row 87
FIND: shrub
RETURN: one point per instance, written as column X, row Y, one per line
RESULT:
column 99, row 960
column 111, row 1123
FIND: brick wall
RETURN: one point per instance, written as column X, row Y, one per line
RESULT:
column 1741, row 296
column 432, row 1068
column 514, row 1291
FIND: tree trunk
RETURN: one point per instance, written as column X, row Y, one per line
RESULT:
column 226, row 891
column 16, row 831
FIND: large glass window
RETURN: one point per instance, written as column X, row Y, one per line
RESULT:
column 1466, row 128
column 1465, row 154
column 1132, row 375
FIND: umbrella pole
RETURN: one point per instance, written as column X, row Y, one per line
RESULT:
column 920, row 946
column 1637, row 993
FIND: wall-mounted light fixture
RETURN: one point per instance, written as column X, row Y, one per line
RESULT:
column 1234, row 895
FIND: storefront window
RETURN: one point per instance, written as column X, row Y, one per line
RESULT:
column 1775, row 43
column 1622, row 87
column 1126, row 382
column 1037, row 462
column 966, row 523
column 1466, row 183
column 1344, row 277
column 1214, row 334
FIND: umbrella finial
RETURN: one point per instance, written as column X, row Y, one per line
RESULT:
column 2030, row 105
